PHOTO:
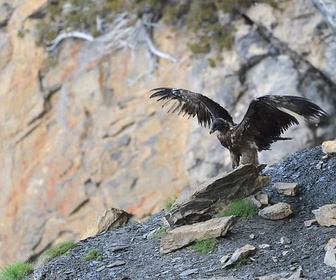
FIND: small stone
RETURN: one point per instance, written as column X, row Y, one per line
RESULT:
column 188, row 272
column 290, row 189
column 256, row 202
column 326, row 215
column 116, row 263
column 263, row 198
column 274, row 259
column 264, row 246
column 277, row 211
column 240, row 254
column 118, row 247
column 252, row 236
column 308, row 223
column 329, row 147
column 319, row 165
column 101, row 268
column 284, row 240
column 285, row 253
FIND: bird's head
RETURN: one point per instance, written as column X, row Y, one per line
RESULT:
column 220, row 125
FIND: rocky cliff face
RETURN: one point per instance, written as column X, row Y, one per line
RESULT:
column 81, row 134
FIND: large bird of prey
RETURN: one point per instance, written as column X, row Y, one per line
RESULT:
column 267, row 117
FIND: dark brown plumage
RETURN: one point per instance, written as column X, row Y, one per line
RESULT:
column 267, row 117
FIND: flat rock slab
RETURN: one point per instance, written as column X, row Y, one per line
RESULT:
column 238, row 255
column 290, row 189
column 203, row 203
column 184, row 235
column 326, row 215
column 277, row 211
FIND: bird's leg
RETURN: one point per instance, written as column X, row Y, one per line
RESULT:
column 250, row 156
column 235, row 158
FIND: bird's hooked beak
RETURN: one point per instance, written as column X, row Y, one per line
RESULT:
column 212, row 130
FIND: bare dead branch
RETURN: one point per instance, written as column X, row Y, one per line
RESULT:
column 125, row 32
column 73, row 34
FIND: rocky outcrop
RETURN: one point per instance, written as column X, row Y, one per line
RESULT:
column 205, row 201
column 285, row 249
column 78, row 133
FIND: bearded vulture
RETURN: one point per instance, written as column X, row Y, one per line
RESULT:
column 267, row 117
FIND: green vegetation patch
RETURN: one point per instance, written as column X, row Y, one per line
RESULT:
column 16, row 271
column 159, row 233
column 60, row 249
column 170, row 202
column 84, row 16
column 93, row 254
column 201, row 19
column 240, row 207
column 205, row 246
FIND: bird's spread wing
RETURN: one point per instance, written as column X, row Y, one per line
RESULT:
column 269, row 116
column 191, row 104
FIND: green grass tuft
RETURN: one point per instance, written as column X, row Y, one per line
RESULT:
column 59, row 249
column 93, row 254
column 16, row 271
column 159, row 233
column 205, row 246
column 170, row 202
column 241, row 207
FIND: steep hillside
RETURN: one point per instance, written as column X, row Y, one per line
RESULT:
column 138, row 257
